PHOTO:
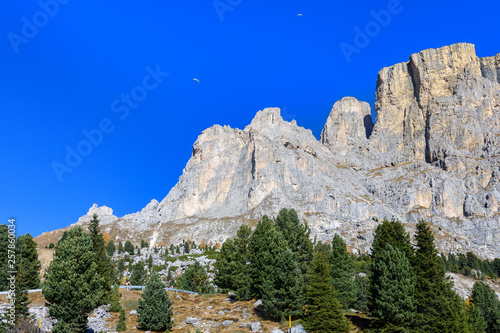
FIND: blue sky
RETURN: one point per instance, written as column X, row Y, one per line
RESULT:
column 121, row 73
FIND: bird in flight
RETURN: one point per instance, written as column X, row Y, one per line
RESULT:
column 299, row 15
column 195, row 79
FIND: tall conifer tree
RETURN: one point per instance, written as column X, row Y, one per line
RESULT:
column 323, row 312
column 342, row 271
column 283, row 287
column 259, row 254
column 243, row 275
column 392, row 232
column 155, row 309
column 26, row 249
column 439, row 308
column 485, row 299
column 297, row 236
column 277, row 277
column 232, row 270
column 104, row 265
column 73, row 286
column 394, row 287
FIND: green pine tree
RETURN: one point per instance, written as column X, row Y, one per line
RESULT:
column 475, row 320
column 129, row 248
column 138, row 274
column 73, row 286
column 232, row 270
column 393, row 287
column 144, row 244
column 362, row 288
column 439, row 308
column 259, row 255
column 150, row 262
column 297, row 235
column 120, row 247
column 195, row 278
column 277, row 277
column 186, row 247
column 121, row 266
column 26, row 249
column 485, row 299
column 155, row 309
column 226, row 266
column 63, row 238
column 392, row 232
column 243, row 281
column 120, row 327
column 105, row 266
column 115, row 305
column 342, row 271
column 23, row 280
column 110, row 248
column 323, row 311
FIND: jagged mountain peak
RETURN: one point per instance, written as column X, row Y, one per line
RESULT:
column 433, row 153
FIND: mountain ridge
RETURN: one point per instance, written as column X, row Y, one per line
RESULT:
column 432, row 153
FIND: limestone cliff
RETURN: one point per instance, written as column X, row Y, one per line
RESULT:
column 432, row 153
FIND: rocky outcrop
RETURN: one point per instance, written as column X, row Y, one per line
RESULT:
column 105, row 215
column 348, row 126
column 433, row 153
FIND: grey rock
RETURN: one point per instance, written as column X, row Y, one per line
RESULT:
column 193, row 321
column 276, row 330
column 96, row 322
column 433, row 153
column 227, row 322
column 41, row 312
column 133, row 312
column 298, row 329
column 255, row 326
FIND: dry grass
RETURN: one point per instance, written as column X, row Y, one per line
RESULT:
column 196, row 306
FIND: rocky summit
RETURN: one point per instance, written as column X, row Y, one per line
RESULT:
column 432, row 153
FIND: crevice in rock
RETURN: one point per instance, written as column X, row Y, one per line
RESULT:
column 415, row 80
column 253, row 163
column 368, row 123
column 428, row 157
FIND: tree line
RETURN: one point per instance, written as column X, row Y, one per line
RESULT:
column 79, row 279
column 406, row 289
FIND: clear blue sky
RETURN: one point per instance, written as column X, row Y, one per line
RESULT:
column 67, row 67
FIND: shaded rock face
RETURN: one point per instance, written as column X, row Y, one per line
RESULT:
column 432, row 153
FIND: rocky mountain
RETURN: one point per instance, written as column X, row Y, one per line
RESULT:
column 433, row 154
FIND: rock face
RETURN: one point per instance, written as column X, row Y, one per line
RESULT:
column 433, row 153
column 105, row 215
